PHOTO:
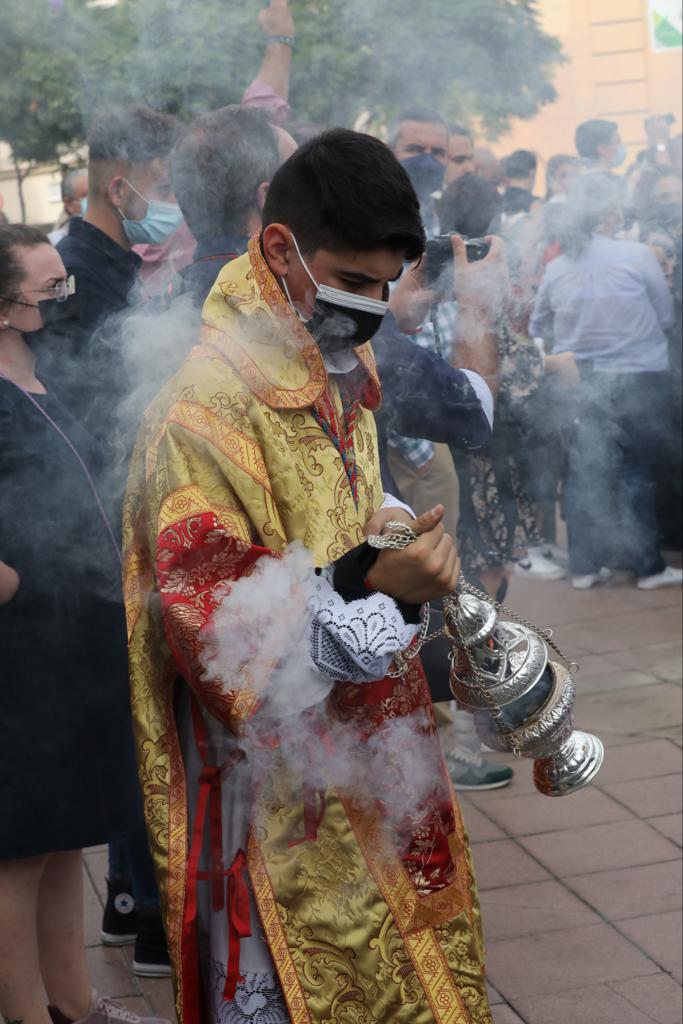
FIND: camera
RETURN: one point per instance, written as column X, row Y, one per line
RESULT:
column 439, row 255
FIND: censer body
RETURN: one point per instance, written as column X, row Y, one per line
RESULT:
column 500, row 671
column 521, row 701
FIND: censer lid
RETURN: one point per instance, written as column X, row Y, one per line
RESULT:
column 476, row 619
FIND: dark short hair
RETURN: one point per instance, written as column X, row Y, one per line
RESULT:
column 68, row 181
column 132, row 134
column 423, row 115
column 13, row 237
column 469, row 205
column 520, row 164
column 218, row 164
column 346, row 191
column 591, row 134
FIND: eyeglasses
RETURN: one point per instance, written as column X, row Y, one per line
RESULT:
column 60, row 290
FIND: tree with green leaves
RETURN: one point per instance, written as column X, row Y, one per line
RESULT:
column 39, row 116
column 483, row 62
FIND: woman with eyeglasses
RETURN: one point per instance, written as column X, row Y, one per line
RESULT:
column 67, row 768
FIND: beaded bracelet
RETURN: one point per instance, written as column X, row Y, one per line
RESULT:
column 287, row 40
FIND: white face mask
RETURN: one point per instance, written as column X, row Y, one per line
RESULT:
column 340, row 319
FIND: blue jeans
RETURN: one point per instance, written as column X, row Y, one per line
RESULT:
column 614, row 449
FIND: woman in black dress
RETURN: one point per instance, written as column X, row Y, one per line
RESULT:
column 67, row 768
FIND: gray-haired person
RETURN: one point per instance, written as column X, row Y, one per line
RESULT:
column 74, row 191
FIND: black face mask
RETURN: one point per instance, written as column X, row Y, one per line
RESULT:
column 60, row 319
column 337, row 327
column 341, row 320
column 55, row 313
column 426, row 174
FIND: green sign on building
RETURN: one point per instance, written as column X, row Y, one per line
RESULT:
column 666, row 24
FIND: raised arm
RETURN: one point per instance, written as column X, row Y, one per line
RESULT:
column 270, row 88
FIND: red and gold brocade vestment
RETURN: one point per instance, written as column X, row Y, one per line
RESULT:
column 232, row 464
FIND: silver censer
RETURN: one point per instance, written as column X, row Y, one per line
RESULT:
column 521, row 701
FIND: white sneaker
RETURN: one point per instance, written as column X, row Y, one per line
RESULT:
column 591, row 579
column 669, row 577
column 536, row 567
column 553, row 552
column 104, row 1010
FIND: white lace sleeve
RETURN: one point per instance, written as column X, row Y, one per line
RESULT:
column 356, row 641
column 289, row 625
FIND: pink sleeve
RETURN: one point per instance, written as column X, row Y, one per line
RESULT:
column 260, row 94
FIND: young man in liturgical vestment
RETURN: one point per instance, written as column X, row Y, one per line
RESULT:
column 310, row 852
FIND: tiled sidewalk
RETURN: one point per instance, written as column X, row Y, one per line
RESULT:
column 581, row 895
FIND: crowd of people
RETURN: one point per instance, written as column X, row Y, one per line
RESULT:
column 524, row 382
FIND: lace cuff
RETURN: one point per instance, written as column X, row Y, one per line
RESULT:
column 356, row 641
column 296, row 636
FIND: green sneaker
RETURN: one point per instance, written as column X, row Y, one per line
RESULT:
column 472, row 771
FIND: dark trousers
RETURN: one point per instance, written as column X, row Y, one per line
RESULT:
column 615, row 446
column 131, row 861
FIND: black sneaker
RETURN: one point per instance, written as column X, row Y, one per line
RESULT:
column 119, row 921
column 151, row 959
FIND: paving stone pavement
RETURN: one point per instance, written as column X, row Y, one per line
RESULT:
column 581, row 895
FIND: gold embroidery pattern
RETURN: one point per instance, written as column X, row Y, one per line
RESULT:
column 177, row 857
column 275, row 936
column 393, row 953
column 186, row 502
column 242, row 450
column 325, row 966
column 436, row 978
column 137, row 580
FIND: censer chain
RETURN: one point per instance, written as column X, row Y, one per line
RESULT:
column 545, row 634
column 400, row 535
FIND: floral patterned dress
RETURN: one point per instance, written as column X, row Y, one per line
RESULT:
column 497, row 523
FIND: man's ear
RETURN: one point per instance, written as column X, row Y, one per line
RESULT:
column 276, row 241
column 116, row 191
column 261, row 193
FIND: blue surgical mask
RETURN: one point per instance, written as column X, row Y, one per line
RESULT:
column 619, row 155
column 425, row 173
column 84, row 206
column 160, row 222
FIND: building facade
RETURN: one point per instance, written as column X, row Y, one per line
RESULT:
column 624, row 64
